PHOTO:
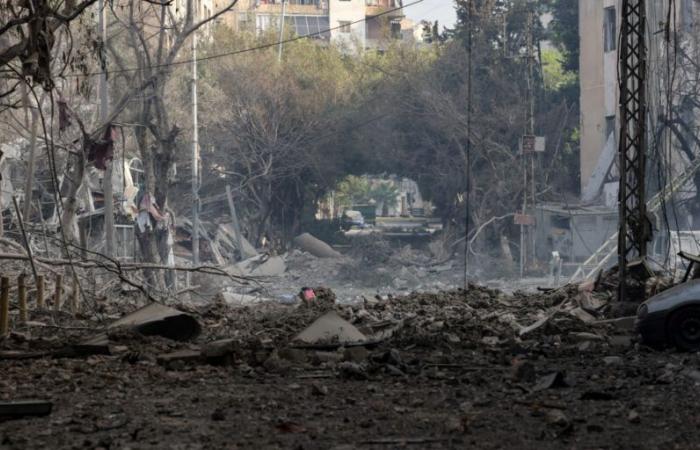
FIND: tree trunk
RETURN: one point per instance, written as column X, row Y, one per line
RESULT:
column 75, row 171
column 147, row 237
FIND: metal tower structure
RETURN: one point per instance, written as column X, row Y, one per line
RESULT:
column 634, row 231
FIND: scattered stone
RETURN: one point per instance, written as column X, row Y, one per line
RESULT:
column 522, row 371
column 585, row 336
column 551, row 380
column 633, row 416
column 355, row 354
column 620, row 341
column 352, row 370
column 557, row 417
column 320, row 390
column 612, row 360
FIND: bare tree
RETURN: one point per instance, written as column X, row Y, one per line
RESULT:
column 142, row 74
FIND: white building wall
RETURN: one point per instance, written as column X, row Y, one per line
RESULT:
column 599, row 81
column 352, row 11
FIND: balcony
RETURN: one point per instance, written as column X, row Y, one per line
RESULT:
column 376, row 7
column 301, row 7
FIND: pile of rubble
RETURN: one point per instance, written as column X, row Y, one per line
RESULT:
column 259, row 335
column 424, row 367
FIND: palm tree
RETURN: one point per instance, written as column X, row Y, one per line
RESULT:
column 386, row 194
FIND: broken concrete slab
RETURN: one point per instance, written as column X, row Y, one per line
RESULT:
column 151, row 320
column 621, row 323
column 582, row 315
column 232, row 239
column 590, row 303
column 273, row 266
column 332, row 329
column 620, row 341
column 316, row 247
column 552, row 380
column 584, row 336
column 262, row 265
column 160, row 320
column 238, row 299
column 184, row 356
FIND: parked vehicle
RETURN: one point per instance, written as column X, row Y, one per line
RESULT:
column 352, row 219
column 672, row 317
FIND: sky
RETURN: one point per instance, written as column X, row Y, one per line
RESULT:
column 440, row 10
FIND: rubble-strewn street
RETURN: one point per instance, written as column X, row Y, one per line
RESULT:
column 443, row 370
column 349, row 224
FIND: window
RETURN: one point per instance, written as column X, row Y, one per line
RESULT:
column 562, row 222
column 344, row 26
column 609, row 126
column 396, row 29
column 315, row 26
column 609, row 29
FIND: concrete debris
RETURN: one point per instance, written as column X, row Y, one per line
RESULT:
column 331, row 329
column 585, row 336
column 522, row 371
column 240, row 299
column 550, row 381
column 262, row 265
column 151, row 320
column 557, row 417
column 582, row 315
column 180, row 356
column 612, row 360
column 160, row 320
column 316, row 247
column 384, row 358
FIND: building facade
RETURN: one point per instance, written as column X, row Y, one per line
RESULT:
column 356, row 24
column 599, row 28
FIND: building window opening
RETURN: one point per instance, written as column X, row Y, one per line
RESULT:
column 609, row 27
column 561, row 222
column 396, row 29
column 609, row 126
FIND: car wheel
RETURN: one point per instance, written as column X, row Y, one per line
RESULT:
column 684, row 328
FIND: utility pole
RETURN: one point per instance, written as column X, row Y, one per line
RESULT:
column 531, row 121
column 104, row 103
column 634, row 227
column 527, row 148
column 279, row 45
column 195, row 155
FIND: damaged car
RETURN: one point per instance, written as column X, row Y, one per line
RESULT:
column 672, row 317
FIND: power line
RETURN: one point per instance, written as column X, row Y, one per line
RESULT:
column 245, row 50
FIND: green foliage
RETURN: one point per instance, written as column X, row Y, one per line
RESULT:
column 564, row 31
column 554, row 76
column 353, row 190
column 385, row 193
column 284, row 134
column 359, row 190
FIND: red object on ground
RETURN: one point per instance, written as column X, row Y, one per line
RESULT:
column 309, row 294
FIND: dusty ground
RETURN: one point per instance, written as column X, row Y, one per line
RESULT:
column 455, row 374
